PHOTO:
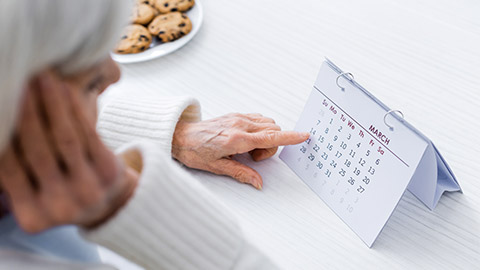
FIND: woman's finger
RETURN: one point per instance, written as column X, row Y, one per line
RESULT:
column 238, row 171
column 261, row 154
column 254, row 115
column 271, row 138
column 15, row 180
column 258, row 127
column 22, row 196
column 36, row 150
column 258, row 118
column 65, row 139
column 102, row 159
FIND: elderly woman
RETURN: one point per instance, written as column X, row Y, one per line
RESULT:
column 56, row 172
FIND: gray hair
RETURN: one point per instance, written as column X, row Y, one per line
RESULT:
column 70, row 36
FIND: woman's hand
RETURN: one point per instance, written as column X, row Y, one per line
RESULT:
column 209, row 145
column 56, row 170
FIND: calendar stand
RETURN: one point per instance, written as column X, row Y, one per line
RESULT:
column 429, row 185
column 362, row 156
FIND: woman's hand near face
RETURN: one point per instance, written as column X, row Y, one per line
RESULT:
column 209, row 145
column 56, row 170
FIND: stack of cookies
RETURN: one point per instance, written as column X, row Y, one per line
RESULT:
column 163, row 19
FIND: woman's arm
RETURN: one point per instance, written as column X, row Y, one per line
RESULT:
column 173, row 222
column 173, row 123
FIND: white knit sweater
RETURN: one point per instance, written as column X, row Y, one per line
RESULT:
column 172, row 221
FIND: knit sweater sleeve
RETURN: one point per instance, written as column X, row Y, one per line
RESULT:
column 124, row 120
column 173, row 222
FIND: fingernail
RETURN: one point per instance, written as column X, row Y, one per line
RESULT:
column 257, row 184
column 305, row 134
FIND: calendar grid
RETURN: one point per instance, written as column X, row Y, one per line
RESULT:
column 357, row 176
column 353, row 119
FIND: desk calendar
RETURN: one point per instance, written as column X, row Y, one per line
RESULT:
column 361, row 156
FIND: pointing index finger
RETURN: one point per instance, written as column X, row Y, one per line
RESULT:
column 274, row 138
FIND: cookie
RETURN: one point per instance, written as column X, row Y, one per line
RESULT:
column 170, row 26
column 135, row 39
column 148, row 2
column 142, row 14
column 166, row 6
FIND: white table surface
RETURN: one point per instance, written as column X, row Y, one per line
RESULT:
column 263, row 56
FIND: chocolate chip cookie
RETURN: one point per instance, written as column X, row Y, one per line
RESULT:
column 148, row 2
column 142, row 14
column 135, row 39
column 165, row 6
column 170, row 26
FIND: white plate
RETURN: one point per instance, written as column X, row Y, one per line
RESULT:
column 158, row 49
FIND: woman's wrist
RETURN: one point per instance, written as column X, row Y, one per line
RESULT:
column 178, row 137
column 120, row 201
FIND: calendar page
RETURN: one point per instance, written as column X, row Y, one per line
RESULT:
column 353, row 161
